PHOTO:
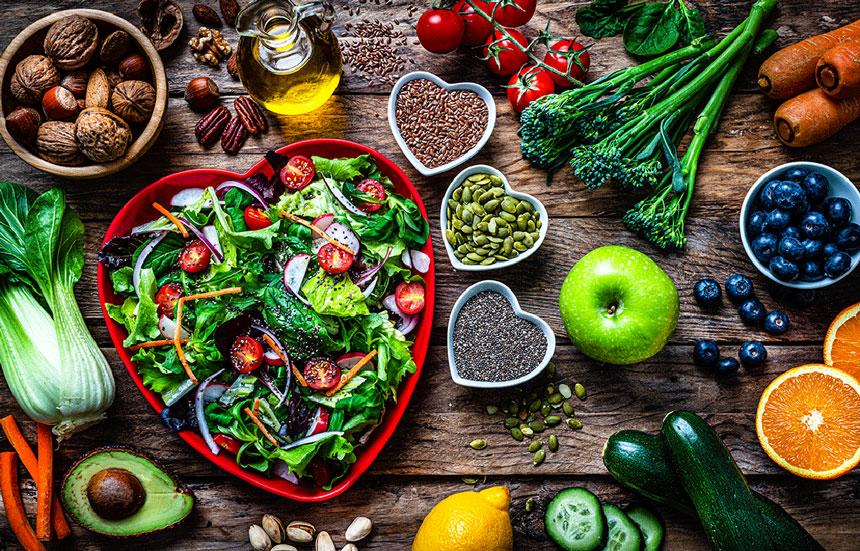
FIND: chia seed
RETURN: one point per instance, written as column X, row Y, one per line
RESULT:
column 492, row 343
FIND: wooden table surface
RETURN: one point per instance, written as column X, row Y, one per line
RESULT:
column 428, row 456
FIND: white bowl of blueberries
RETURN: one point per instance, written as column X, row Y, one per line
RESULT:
column 799, row 225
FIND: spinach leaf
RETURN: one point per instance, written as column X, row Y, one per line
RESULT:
column 653, row 30
column 692, row 25
column 165, row 255
column 604, row 18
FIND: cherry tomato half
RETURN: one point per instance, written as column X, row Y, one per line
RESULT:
column 529, row 84
column 440, row 31
column 166, row 298
column 503, row 58
column 409, row 297
column 320, row 421
column 563, row 54
column 246, row 354
column 334, row 260
column 228, row 443
column 195, row 257
column 375, row 190
column 321, row 374
column 256, row 218
column 298, row 173
column 513, row 13
column 477, row 28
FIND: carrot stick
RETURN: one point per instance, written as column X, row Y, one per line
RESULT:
column 260, row 426
column 28, row 458
column 177, row 340
column 791, row 70
column 838, row 70
column 321, row 233
column 14, row 506
column 153, row 344
column 274, row 346
column 352, row 372
column 172, row 218
column 256, row 406
column 44, row 482
column 812, row 117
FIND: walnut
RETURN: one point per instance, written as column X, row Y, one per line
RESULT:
column 133, row 100
column 71, row 42
column 161, row 21
column 114, row 47
column 102, row 135
column 209, row 47
column 56, row 143
column 34, row 75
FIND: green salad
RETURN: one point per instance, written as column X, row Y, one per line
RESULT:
column 273, row 315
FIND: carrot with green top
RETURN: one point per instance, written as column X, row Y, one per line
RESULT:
column 838, row 71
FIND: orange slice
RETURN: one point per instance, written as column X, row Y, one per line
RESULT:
column 842, row 342
column 808, row 421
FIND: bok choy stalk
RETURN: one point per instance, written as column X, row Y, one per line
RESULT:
column 51, row 363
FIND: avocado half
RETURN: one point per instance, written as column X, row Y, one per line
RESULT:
column 121, row 492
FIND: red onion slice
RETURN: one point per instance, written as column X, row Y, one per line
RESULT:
column 294, row 274
column 406, row 259
column 405, row 323
column 270, row 384
column 341, row 198
column 200, row 401
column 420, row 261
column 216, row 251
column 212, row 235
column 364, row 277
column 268, row 333
column 244, row 187
column 282, row 470
column 167, row 328
column 369, row 289
column 313, row 438
column 138, row 266
column 187, row 197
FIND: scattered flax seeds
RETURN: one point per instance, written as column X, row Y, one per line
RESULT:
column 369, row 49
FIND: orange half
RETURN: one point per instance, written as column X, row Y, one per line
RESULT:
column 842, row 342
column 808, row 421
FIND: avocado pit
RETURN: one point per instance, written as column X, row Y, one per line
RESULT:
column 115, row 494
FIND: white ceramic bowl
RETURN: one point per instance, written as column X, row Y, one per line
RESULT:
column 504, row 290
column 840, row 186
column 443, row 220
column 482, row 92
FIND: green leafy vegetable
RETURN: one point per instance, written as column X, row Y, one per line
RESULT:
column 334, row 295
column 653, row 29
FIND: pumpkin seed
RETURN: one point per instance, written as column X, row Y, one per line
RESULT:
column 539, row 456
column 535, row 405
column 550, row 370
column 488, row 261
column 567, row 408
column 537, row 425
column 530, row 505
column 535, row 446
column 511, row 422
column 565, row 391
column 552, row 443
column 450, row 236
column 574, row 423
column 527, row 431
column 478, row 444
column 469, row 481
column 579, row 390
column 474, row 257
column 555, row 398
column 517, row 434
column 491, row 205
column 492, row 409
column 467, row 195
column 545, row 409
column 552, row 420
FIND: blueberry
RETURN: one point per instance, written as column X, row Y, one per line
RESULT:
column 792, row 231
column 838, row 211
column 757, row 223
column 752, row 354
column 795, row 174
column 765, row 196
column 811, row 248
column 817, row 188
column 848, row 238
column 707, row 292
column 777, row 322
column 727, row 367
column 791, row 248
column 798, row 212
column 777, row 220
column 764, row 247
column 811, row 270
column 788, row 195
column 837, row 264
column 814, row 225
column 739, row 288
column 829, row 249
column 751, row 311
column 784, row 269
column 706, row 353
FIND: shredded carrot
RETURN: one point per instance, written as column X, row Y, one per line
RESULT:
column 28, row 458
column 169, row 216
column 14, row 506
column 256, row 406
column 44, row 482
column 211, row 294
column 274, row 346
column 153, row 344
column 321, row 233
column 352, row 372
column 260, row 426
column 177, row 341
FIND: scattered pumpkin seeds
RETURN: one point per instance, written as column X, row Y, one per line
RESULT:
column 492, row 410
column 552, row 420
column 517, row 434
column 535, row 446
column 567, row 408
column 539, row 456
column 470, row 481
column 527, row 431
column 565, row 391
column 552, row 443
column 574, row 423
column 579, row 390
column 530, row 505
column 478, row 444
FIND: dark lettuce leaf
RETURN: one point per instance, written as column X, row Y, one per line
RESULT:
column 119, row 251
column 298, row 419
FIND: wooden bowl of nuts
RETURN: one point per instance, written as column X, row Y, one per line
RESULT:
column 82, row 94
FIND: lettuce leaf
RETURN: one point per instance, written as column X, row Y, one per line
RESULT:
column 346, row 169
column 138, row 316
column 334, row 295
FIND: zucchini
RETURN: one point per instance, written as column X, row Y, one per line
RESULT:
column 651, row 527
column 624, row 534
column 715, row 484
column 640, row 462
column 575, row 521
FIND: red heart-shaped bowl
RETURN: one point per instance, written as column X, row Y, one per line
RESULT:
column 139, row 210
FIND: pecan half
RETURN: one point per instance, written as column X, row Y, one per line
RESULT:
column 250, row 115
column 206, row 15
column 234, row 137
column 230, row 9
column 233, row 65
column 209, row 128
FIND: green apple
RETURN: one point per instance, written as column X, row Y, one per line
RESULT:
column 618, row 305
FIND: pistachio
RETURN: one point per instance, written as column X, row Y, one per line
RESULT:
column 511, row 422
column 323, row 542
column 258, row 538
column 359, row 529
column 349, row 547
column 537, row 425
column 492, row 410
column 552, row 443
column 527, row 431
column 478, row 444
column 284, row 547
column 552, row 420
column 274, row 528
column 300, row 531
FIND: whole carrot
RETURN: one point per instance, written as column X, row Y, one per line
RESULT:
column 15, row 513
column 838, row 70
column 44, row 481
column 812, row 117
column 791, row 70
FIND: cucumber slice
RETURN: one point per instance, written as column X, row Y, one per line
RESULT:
column 624, row 535
column 650, row 525
column 574, row 520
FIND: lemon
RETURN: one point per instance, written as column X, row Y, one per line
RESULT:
column 468, row 521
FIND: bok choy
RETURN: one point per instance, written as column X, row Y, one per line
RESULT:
column 51, row 363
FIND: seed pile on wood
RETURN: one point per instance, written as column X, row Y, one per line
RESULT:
column 439, row 125
column 369, row 49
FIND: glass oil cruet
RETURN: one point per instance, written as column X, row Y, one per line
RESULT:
column 288, row 58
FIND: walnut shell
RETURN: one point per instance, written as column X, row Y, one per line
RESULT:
column 34, row 75
column 114, row 47
column 102, row 135
column 133, row 100
column 71, row 42
column 56, row 143
column 161, row 21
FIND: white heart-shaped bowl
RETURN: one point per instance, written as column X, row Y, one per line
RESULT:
column 482, row 92
column 504, row 290
column 443, row 220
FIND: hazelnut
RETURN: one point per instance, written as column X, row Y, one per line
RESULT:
column 133, row 100
column 98, row 89
column 34, row 75
column 23, row 124
column 58, row 103
column 56, row 143
column 76, row 83
column 71, row 42
column 134, row 67
column 115, row 46
column 201, row 93
column 102, row 135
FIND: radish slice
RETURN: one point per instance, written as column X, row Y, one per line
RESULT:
column 246, row 188
column 216, row 251
column 167, row 328
column 365, row 276
column 341, row 198
column 138, row 266
column 324, row 221
column 187, row 197
column 344, row 235
column 406, row 259
column 318, row 244
column 200, row 400
column 311, row 439
column 369, row 290
column 271, row 357
column 350, row 360
column 420, row 261
column 319, row 423
column 294, row 274
column 212, row 235
column 405, row 323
